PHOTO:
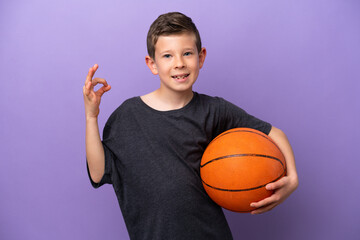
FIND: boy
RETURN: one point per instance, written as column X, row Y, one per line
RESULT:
column 152, row 145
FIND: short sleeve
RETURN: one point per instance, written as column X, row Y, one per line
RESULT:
column 108, row 169
column 232, row 116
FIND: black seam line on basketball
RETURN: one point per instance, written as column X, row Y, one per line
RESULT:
column 246, row 131
column 245, row 189
column 243, row 155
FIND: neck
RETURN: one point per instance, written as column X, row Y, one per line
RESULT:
column 166, row 101
column 173, row 100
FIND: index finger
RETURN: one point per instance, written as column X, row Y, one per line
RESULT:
column 275, row 185
column 91, row 73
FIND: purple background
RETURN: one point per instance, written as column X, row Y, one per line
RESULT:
column 293, row 63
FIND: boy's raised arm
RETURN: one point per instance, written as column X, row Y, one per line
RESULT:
column 94, row 148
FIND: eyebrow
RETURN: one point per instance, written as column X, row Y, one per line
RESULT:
column 187, row 49
column 169, row 51
column 166, row 51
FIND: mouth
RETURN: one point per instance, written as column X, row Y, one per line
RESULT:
column 180, row 76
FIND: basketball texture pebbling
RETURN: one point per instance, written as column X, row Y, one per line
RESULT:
column 237, row 165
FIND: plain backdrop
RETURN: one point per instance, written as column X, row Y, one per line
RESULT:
column 294, row 64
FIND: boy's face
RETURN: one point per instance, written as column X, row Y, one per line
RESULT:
column 177, row 62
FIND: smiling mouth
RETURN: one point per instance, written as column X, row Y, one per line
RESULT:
column 182, row 76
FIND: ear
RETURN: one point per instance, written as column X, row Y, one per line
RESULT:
column 151, row 64
column 202, row 56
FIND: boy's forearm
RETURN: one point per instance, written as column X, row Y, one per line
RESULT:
column 94, row 150
column 281, row 140
column 286, row 185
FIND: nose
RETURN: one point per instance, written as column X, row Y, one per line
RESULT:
column 179, row 62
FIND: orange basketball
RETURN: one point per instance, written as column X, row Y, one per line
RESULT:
column 237, row 165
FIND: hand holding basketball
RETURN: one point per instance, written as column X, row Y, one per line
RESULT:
column 282, row 190
column 91, row 98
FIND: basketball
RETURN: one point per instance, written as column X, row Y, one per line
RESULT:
column 237, row 165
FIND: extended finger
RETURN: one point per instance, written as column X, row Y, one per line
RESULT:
column 91, row 73
column 87, row 88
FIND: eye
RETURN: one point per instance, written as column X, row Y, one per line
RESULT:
column 167, row 56
column 187, row 53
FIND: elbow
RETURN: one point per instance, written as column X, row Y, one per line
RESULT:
column 96, row 178
column 95, row 175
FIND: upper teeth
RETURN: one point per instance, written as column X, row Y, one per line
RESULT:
column 183, row 76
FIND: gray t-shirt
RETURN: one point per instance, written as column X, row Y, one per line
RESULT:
column 152, row 159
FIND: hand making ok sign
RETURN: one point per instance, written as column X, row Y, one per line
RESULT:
column 91, row 98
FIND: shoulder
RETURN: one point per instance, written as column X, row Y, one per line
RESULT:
column 212, row 101
column 207, row 98
column 127, row 104
column 124, row 107
column 221, row 107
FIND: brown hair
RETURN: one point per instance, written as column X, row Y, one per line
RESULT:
column 167, row 24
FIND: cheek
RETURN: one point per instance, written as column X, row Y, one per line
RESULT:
column 196, row 66
column 163, row 66
column 159, row 69
column 163, row 70
column 193, row 65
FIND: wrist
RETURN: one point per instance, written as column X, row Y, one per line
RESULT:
column 91, row 118
column 293, row 179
